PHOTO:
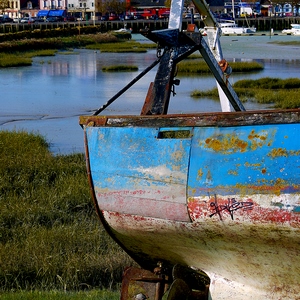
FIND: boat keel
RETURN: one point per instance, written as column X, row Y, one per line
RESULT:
column 178, row 283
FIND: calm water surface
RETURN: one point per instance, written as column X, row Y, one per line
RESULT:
column 49, row 96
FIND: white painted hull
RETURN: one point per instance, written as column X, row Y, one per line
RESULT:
column 243, row 261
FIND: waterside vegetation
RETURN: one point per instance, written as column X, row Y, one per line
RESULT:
column 122, row 47
column 61, row 295
column 51, row 237
column 120, row 68
column 279, row 93
column 15, row 53
column 22, row 59
column 199, row 66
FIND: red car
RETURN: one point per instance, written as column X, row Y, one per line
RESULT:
column 113, row 18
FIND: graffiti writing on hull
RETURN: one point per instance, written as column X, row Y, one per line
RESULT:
column 230, row 207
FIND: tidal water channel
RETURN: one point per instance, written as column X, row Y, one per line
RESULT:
column 49, row 96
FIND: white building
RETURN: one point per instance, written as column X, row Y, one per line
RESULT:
column 84, row 9
column 13, row 9
column 53, row 4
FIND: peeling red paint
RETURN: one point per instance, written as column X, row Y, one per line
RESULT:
column 201, row 209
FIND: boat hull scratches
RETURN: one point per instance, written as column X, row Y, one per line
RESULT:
column 247, row 261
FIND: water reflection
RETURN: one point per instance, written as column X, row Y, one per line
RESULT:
column 49, row 96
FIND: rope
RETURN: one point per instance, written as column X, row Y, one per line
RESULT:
column 131, row 83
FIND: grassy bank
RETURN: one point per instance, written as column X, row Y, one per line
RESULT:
column 199, row 66
column 281, row 93
column 15, row 53
column 22, row 59
column 51, row 238
column 60, row 295
column 120, row 68
column 122, row 47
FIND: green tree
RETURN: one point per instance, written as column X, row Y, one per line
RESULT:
column 114, row 6
column 187, row 3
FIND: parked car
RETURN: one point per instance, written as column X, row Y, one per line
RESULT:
column 51, row 19
column 113, row 18
column 153, row 17
column 16, row 20
column 6, row 19
column 164, row 16
column 39, row 20
column 104, row 18
column 197, row 16
column 27, row 20
column 138, row 17
column 70, row 19
column 129, row 17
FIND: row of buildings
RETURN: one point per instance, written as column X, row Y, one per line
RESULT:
column 87, row 9
column 94, row 9
column 31, row 8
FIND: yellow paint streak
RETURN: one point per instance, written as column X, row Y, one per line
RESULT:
column 200, row 174
column 278, row 152
column 230, row 143
column 232, row 172
column 252, row 165
column 257, row 139
column 226, row 144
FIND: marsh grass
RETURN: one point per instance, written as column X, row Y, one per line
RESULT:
column 50, row 235
column 24, row 58
column 60, row 295
column 122, row 47
column 286, row 43
column 68, row 53
column 281, row 93
column 120, row 68
column 14, row 60
column 199, row 66
column 68, row 42
column 15, row 53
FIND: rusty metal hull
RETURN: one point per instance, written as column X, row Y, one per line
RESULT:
column 219, row 192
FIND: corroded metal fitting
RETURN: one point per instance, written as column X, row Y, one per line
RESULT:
column 226, row 69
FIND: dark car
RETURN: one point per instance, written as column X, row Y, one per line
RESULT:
column 39, row 20
column 164, row 16
column 104, row 18
column 51, row 19
column 153, row 17
column 6, row 19
column 71, row 19
column 129, row 17
column 139, row 17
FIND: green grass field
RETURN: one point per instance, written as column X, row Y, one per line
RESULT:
column 60, row 295
column 51, row 237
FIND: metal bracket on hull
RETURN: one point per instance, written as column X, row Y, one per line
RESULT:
column 180, row 283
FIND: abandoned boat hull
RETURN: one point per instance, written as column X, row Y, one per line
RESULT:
column 218, row 192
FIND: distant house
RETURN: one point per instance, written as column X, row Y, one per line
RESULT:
column 20, row 8
column 82, row 9
column 12, row 8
